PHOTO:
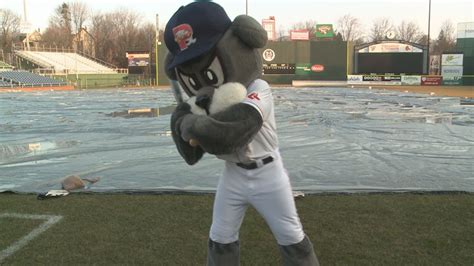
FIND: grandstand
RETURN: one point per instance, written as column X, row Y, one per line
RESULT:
column 22, row 78
column 66, row 62
column 5, row 67
column 5, row 84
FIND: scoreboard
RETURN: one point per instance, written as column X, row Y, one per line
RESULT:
column 280, row 69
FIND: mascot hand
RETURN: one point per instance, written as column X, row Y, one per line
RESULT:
column 182, row 118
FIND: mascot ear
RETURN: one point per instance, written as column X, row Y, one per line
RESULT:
column 170, row 73
column 249, row 31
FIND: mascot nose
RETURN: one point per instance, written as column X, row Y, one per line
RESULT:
column 203, row 101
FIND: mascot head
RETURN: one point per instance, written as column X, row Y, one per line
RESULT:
column 208, row 51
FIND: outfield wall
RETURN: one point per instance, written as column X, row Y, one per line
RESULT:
column 303, row 60
column 88, row 81
column 322, row 61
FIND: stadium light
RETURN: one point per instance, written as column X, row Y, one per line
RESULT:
column 428, row 51
column 27, row 31
column 157, row 42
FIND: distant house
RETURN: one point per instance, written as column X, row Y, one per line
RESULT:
column 34, row 39
column 84, row 42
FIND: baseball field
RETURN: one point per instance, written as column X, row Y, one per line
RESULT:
column 411, row 228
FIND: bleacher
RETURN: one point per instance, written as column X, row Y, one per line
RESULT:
column 65, row 62
column 5, row 67
column 5, row 84
column 25, row 78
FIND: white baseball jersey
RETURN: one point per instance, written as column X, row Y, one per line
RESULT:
column 265, row 141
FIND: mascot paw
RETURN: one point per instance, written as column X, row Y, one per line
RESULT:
column 191, row 154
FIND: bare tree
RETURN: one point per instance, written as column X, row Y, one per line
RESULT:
column 282, row 34
column 409, row 31
column 380, row 28
column 147, row 36
column 59, row 31
column 9, row 27
column 349, row 27
column 103, row 32
column 118, row 32
column 446, row 40
column 79, row 15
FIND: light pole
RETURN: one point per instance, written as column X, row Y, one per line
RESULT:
column 157, row 42
column 428, row 51
column 26, row 27
column 247, row 7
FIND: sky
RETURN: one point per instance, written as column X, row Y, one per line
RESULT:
column 286, row 13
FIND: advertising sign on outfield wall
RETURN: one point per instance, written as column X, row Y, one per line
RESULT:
column 382, row 80
column 307, row 69
column 411, row 80
column 452, row 59
column 452, row 71
column 268, row 55
column 456, row 80
column 452, row 68
column 431, row 80
column 141, row 59
column 390, row 47
column 465, row 30
column 324, row 31
column 354, row 79
column 279, row 69
column 299, row 35
column 435, row 64
column 452, row 75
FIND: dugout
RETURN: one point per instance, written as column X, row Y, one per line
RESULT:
column 390, row 57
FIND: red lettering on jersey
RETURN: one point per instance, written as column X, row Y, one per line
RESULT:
column 253, row 96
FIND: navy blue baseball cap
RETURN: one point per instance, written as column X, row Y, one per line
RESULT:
column 194, row 30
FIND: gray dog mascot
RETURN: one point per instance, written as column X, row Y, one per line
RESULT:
column 230, row 114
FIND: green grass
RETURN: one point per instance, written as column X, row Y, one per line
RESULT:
column 12, row 229
column 360, row 229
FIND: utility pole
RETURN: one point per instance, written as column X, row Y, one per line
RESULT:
column 26, row 27
column 428, row 51
column 157, row 42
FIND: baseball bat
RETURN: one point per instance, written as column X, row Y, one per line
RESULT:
column 178, row 95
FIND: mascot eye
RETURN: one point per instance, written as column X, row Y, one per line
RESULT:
column 211, row 77
column 192, row 82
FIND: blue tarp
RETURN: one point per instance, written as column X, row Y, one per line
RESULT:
column 331, row 139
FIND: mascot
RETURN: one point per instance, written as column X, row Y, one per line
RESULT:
column 230, row 114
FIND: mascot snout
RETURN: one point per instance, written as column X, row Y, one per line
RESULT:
column 204, row 98
column 210, row 100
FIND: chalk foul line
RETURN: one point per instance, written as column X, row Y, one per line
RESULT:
column 20, row 243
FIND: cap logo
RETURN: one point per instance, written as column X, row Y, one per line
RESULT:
column 183, row 35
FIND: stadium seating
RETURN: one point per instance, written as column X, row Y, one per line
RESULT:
column 5, row 84
column 62, row 62
column 4, row 66
column 25, row 78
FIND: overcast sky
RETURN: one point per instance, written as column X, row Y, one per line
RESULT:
column 286, row 13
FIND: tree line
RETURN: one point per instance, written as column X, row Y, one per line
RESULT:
column 123, row 30
column 113, row 32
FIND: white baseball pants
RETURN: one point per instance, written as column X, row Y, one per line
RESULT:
column 268, row 190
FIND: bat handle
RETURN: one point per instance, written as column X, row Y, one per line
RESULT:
column 193, row 142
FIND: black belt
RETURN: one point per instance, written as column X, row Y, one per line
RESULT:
column 254, row 165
